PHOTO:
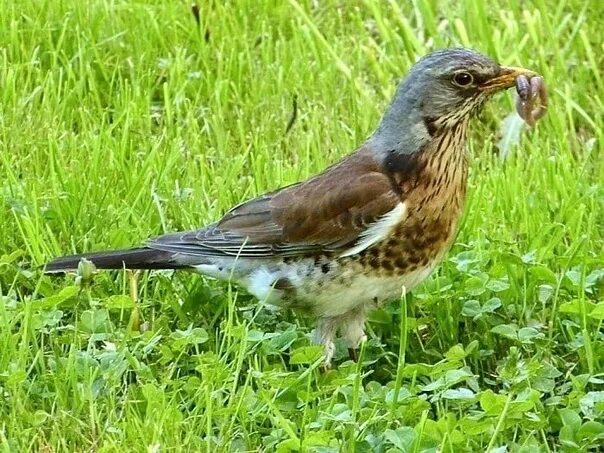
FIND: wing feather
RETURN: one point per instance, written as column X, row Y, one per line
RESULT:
column 326, row 214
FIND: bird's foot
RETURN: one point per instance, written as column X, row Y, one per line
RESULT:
column 324, row 335
column 354, row 346
column 330, row 350
column 352, row 353
column 353, row 332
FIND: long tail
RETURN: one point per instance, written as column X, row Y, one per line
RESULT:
column 138, row 258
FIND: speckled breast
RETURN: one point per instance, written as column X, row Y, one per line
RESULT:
column 434, row 196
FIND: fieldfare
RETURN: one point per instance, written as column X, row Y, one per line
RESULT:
column 363, row 231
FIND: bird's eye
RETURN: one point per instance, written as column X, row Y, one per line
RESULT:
column 463, row 79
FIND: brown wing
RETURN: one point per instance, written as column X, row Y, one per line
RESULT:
column 327, row 213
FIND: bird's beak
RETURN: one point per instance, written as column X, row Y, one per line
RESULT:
column 506, row 78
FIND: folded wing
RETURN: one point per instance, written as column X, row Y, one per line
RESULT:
column 326, row 214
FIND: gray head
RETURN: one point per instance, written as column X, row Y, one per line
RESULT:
column 442, row 89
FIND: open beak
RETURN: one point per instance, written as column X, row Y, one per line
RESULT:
column 506, row 78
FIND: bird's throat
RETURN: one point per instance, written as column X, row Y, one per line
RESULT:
column 435, row 176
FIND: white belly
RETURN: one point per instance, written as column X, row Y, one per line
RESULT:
column 324, row 295
column 337, row 298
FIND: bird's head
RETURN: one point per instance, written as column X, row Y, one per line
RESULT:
column 447, row 86
column 442, row 89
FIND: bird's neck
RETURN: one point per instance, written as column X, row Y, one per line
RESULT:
column 402, row 129
column 406, row 129
column 405, row 136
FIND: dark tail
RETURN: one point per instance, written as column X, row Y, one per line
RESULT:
column 139, row 258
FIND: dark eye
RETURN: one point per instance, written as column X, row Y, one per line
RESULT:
column 463, row 79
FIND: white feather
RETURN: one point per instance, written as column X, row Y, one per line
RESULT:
column 379, row 230
column 261, row 283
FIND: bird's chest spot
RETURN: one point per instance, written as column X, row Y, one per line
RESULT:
column 412, row 248
column 434, row 199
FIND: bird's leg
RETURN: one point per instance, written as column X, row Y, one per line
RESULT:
column 325, row 334
column 352, row 326
column 352, row 354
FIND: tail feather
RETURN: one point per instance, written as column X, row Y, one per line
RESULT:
column 138, row 258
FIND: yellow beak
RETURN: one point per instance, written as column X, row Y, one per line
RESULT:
column 506, row 78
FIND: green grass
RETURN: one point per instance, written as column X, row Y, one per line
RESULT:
column 121, row 120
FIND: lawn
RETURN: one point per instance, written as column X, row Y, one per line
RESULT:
column 121, row 120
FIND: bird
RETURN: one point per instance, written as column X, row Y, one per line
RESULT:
column 366, row 230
